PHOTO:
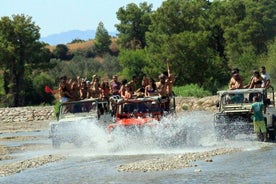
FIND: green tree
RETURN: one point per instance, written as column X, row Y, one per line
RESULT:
column 247, row 24
column 110, row 66
column 269, row 61
column 102, row 40
column 134, row 62
column 179, row 32
column 19, row 47
column 134, row 23
column 61, row 52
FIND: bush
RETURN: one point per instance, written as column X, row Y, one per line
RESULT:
column 191, row 90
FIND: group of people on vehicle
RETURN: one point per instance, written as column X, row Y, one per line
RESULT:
column 73, row 90
column 79, row 89
column 259, row 79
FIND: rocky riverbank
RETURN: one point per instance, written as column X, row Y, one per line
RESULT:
column 173, row 162
column 46, row 113
column 26, row 114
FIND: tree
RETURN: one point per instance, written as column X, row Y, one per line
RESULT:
column 61, row 51
column 19, row 48
column 269, row 61
column 102, row 40
column 179, row 32
column 134, row 23
column 248, row 24
column 134, row 62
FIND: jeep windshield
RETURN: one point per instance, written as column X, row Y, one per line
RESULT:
column 81, row 108
column 241, row 96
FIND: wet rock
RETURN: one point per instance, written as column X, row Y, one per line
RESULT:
column 208, row 160
column 174, row 162
column 16, row 167
column 197, row 170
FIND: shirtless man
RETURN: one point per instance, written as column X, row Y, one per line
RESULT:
column 84, row 93
column 162, row 86
column 236, row 81
column 95, row 88
column 133, row 84
column 170, row 80
column 162, row 89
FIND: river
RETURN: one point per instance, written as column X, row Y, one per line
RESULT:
column 98, row 162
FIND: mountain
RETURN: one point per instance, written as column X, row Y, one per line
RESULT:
column 69, row 36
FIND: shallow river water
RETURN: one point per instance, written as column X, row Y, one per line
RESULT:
column 98, row 162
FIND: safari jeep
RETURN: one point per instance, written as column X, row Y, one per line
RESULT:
column 149, row 119
column 140, row 112
column 71, row 118
column 234, row 116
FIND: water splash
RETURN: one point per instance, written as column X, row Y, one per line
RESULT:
column 186, row 132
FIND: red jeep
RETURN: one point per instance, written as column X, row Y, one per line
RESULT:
column 139, row 112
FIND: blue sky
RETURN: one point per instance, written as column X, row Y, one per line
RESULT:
column 56, row 16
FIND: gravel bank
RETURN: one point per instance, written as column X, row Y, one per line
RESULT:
column 16, row 167
column 173, row 162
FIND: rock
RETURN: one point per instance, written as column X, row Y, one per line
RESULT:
column 208, row 160
column 197, row 170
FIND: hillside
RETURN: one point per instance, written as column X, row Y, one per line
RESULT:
column 86, row 45
column 68, row 36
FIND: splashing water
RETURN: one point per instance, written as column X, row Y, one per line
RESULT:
column 186, row 132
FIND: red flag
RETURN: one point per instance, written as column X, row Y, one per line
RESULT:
column 49, row 90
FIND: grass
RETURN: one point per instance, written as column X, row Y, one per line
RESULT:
column 191, row 90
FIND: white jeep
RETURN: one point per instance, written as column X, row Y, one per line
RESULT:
column 70, row 118
column 234, row 116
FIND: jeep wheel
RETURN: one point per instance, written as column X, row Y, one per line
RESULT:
column 55, row 143
column 271, row 135
column 219, row 133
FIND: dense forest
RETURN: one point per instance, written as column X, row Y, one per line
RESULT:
column 203, row 41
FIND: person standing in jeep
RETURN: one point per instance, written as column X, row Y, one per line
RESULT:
column 236, row 81
column 266, row 77
column 258, row 109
